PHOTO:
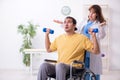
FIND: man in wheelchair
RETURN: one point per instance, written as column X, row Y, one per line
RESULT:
column 70, row 46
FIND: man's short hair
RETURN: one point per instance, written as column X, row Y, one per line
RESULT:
column 73, row 20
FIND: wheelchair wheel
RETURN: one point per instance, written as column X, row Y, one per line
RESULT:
column 88, row 75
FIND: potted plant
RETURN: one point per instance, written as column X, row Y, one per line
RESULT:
column 28, row 32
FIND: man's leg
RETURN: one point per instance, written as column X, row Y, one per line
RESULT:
column 44, row 70
column 61, row 71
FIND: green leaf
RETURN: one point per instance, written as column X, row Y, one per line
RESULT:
column 28, row 32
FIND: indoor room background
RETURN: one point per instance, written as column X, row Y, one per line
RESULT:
column 43, row 12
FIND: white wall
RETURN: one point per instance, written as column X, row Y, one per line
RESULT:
column 114, row 32
column 42, row 12
column 15, row 12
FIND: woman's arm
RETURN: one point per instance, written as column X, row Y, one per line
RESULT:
column 102, row 32
column 58, row 21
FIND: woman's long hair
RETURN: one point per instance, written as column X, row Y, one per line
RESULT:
column 98, row 12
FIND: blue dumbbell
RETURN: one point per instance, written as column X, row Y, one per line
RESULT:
column 51, row 31
column 95, row 30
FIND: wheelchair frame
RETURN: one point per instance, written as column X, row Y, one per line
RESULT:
column 85, row 73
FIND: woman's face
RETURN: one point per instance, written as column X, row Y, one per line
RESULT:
column 92, row 15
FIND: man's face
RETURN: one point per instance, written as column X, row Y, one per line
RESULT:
column 68, row 25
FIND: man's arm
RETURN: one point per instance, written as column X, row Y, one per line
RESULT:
column 47, row 41
column 96, row 49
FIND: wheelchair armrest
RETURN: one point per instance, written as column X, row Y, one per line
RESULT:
column 75, row 62
column 78, row 62
column 52, row 61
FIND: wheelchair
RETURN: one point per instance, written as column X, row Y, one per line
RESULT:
column 83, row 73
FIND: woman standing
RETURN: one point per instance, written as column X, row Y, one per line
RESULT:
column 95, row 20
